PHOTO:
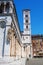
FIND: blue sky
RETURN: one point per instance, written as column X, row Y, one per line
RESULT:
column 36, row 7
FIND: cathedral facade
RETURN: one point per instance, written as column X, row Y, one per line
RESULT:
column 14, row 43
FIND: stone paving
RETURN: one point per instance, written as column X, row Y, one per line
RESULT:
column 22, row 61
column 37, row 61
column 12, row 61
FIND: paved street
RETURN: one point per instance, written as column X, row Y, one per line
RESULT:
column 37, row 61
column 23, row 61
column 13, row 61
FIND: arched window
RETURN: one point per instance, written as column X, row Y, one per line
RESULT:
column 7, row 6
column 27, row 27
column 26, row 15
column 2, row 7
column 2, row 24
column 26, row 21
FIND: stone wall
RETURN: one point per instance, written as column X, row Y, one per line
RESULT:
column 37, row 45
column 17, row 49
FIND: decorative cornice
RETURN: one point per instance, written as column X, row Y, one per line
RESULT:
column 25, row 34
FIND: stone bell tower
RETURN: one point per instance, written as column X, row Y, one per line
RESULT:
column 6, row 10
column 26, row 27
column 26, row 36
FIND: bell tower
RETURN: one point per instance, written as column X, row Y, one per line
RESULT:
column 27, row 26
column 26, row 20
column 26, row 35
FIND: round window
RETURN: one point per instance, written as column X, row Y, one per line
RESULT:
column 2, row 24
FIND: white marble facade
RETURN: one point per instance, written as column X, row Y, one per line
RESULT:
column 4, row 46
column 6, row 18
